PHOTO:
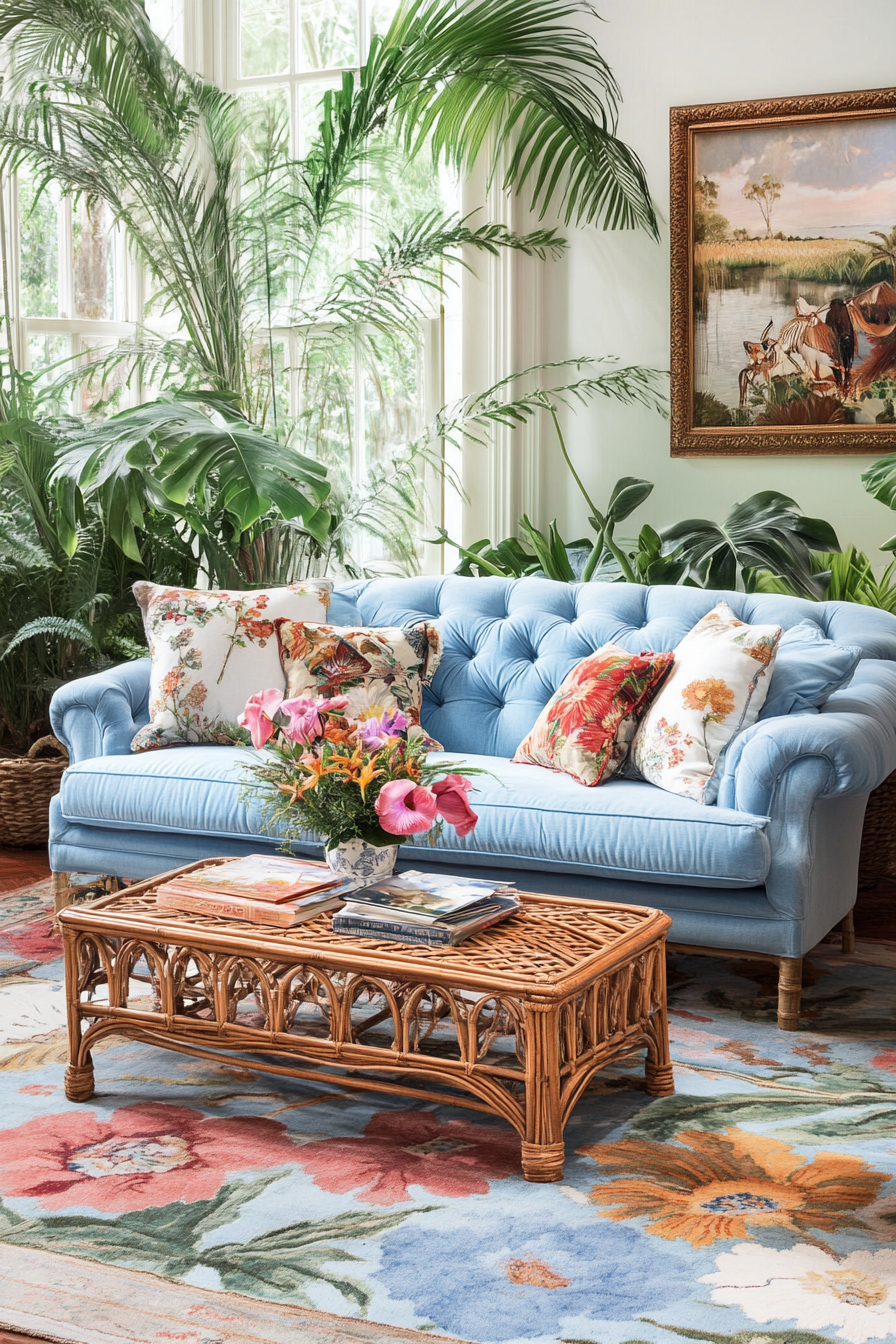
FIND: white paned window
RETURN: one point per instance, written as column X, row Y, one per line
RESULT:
column 355, row 400
column 77, row 291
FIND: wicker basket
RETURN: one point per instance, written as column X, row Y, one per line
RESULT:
column 878, row 856
column 27, row 783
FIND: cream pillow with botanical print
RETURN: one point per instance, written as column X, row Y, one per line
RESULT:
column 381, row 670
column 210, row 652
column 715, row 690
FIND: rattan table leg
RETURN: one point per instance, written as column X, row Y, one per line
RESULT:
column 658, row 1064
column 542, row 1148
column 543, row 1162
column 79, row 1073
column 79, row 1081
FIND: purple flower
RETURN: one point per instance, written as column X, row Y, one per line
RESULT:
column 374, row 733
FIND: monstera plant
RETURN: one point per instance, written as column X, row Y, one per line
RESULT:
column 763, row 539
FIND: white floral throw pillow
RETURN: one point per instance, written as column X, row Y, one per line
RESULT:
column 715, row 690
column 210, row 652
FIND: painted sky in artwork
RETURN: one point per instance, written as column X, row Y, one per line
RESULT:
column 839, row 177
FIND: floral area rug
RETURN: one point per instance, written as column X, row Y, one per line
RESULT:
column 756, row 1206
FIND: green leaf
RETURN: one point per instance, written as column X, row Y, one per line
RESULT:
column 754, row 1336
column 766, row 532
column 880, row 481
column 628, row 494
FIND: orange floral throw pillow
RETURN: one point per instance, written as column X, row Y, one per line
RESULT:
column 718, row 686
column 210, row 651
column 587, row 725
column 380, row 669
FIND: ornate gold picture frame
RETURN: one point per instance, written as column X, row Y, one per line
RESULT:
column 783, row 240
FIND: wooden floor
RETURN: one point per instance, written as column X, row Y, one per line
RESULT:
column 21, row 867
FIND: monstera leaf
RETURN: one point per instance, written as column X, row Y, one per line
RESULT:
column 766, row 532
column 197, row 464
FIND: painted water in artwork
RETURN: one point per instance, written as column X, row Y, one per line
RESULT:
column 795, row 273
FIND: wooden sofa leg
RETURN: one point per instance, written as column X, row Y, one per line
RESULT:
column 848, row 933
column 790, row 988
column 61, row 891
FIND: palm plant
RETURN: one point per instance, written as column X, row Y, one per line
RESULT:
column 883, row 251
column 237, row 236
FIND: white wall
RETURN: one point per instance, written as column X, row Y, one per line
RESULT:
column 610, row 294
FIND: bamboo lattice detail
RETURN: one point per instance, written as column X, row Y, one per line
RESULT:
column 513, row 1022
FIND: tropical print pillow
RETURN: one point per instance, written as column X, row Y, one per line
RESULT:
column 380, row 669
column 587, row 725
column 210, row 652
column 716, row 690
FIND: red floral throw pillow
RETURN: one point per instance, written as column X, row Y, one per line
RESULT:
column 587, row 726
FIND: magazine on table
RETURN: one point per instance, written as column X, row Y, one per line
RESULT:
column 258, row 877
column 424, row 898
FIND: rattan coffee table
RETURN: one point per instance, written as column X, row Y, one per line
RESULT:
column 513, row 1022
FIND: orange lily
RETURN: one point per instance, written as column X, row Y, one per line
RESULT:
column 351, row 765
column 367, row 775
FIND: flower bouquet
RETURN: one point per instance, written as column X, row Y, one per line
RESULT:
column 364, row 788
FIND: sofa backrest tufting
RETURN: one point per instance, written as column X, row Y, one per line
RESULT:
column 508, row 643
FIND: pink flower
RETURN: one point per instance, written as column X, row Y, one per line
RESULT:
column 140, row 1157
column 304, row 720
column 404, row 807
column 451, row 801
column 258, row 716
column 34, row 942
column 450, row 1158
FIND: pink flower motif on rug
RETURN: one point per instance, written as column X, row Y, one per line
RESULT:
column 404, row 1148
column 34, row 942
column 142, row 1157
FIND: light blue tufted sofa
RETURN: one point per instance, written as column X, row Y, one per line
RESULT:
column 767, row 872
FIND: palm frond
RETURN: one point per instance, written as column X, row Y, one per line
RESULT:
column 452, row 76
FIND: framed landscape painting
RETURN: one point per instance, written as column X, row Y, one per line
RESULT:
column 783, row 220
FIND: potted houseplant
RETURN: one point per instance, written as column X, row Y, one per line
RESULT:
column 365, row 788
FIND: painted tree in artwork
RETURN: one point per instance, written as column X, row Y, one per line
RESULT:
column 709, row 225
column 885, row 250
column 765, row 193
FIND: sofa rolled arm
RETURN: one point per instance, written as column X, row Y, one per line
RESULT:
column 99, row 715
column 854, row 735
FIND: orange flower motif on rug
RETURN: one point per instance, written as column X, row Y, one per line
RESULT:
column 706, row 1186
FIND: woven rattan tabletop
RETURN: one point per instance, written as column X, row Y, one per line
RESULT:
column 544, row 951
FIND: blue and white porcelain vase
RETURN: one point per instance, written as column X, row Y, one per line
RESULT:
column 362, row 861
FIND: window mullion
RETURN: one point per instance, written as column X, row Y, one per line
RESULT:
column 64, row 257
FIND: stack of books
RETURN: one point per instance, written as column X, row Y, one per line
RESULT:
column 425, row 908
column 261, row 888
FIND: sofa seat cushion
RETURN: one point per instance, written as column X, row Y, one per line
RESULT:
column 528, row 817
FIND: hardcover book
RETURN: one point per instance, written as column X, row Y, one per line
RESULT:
column 282, row 915
column 357, row 921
